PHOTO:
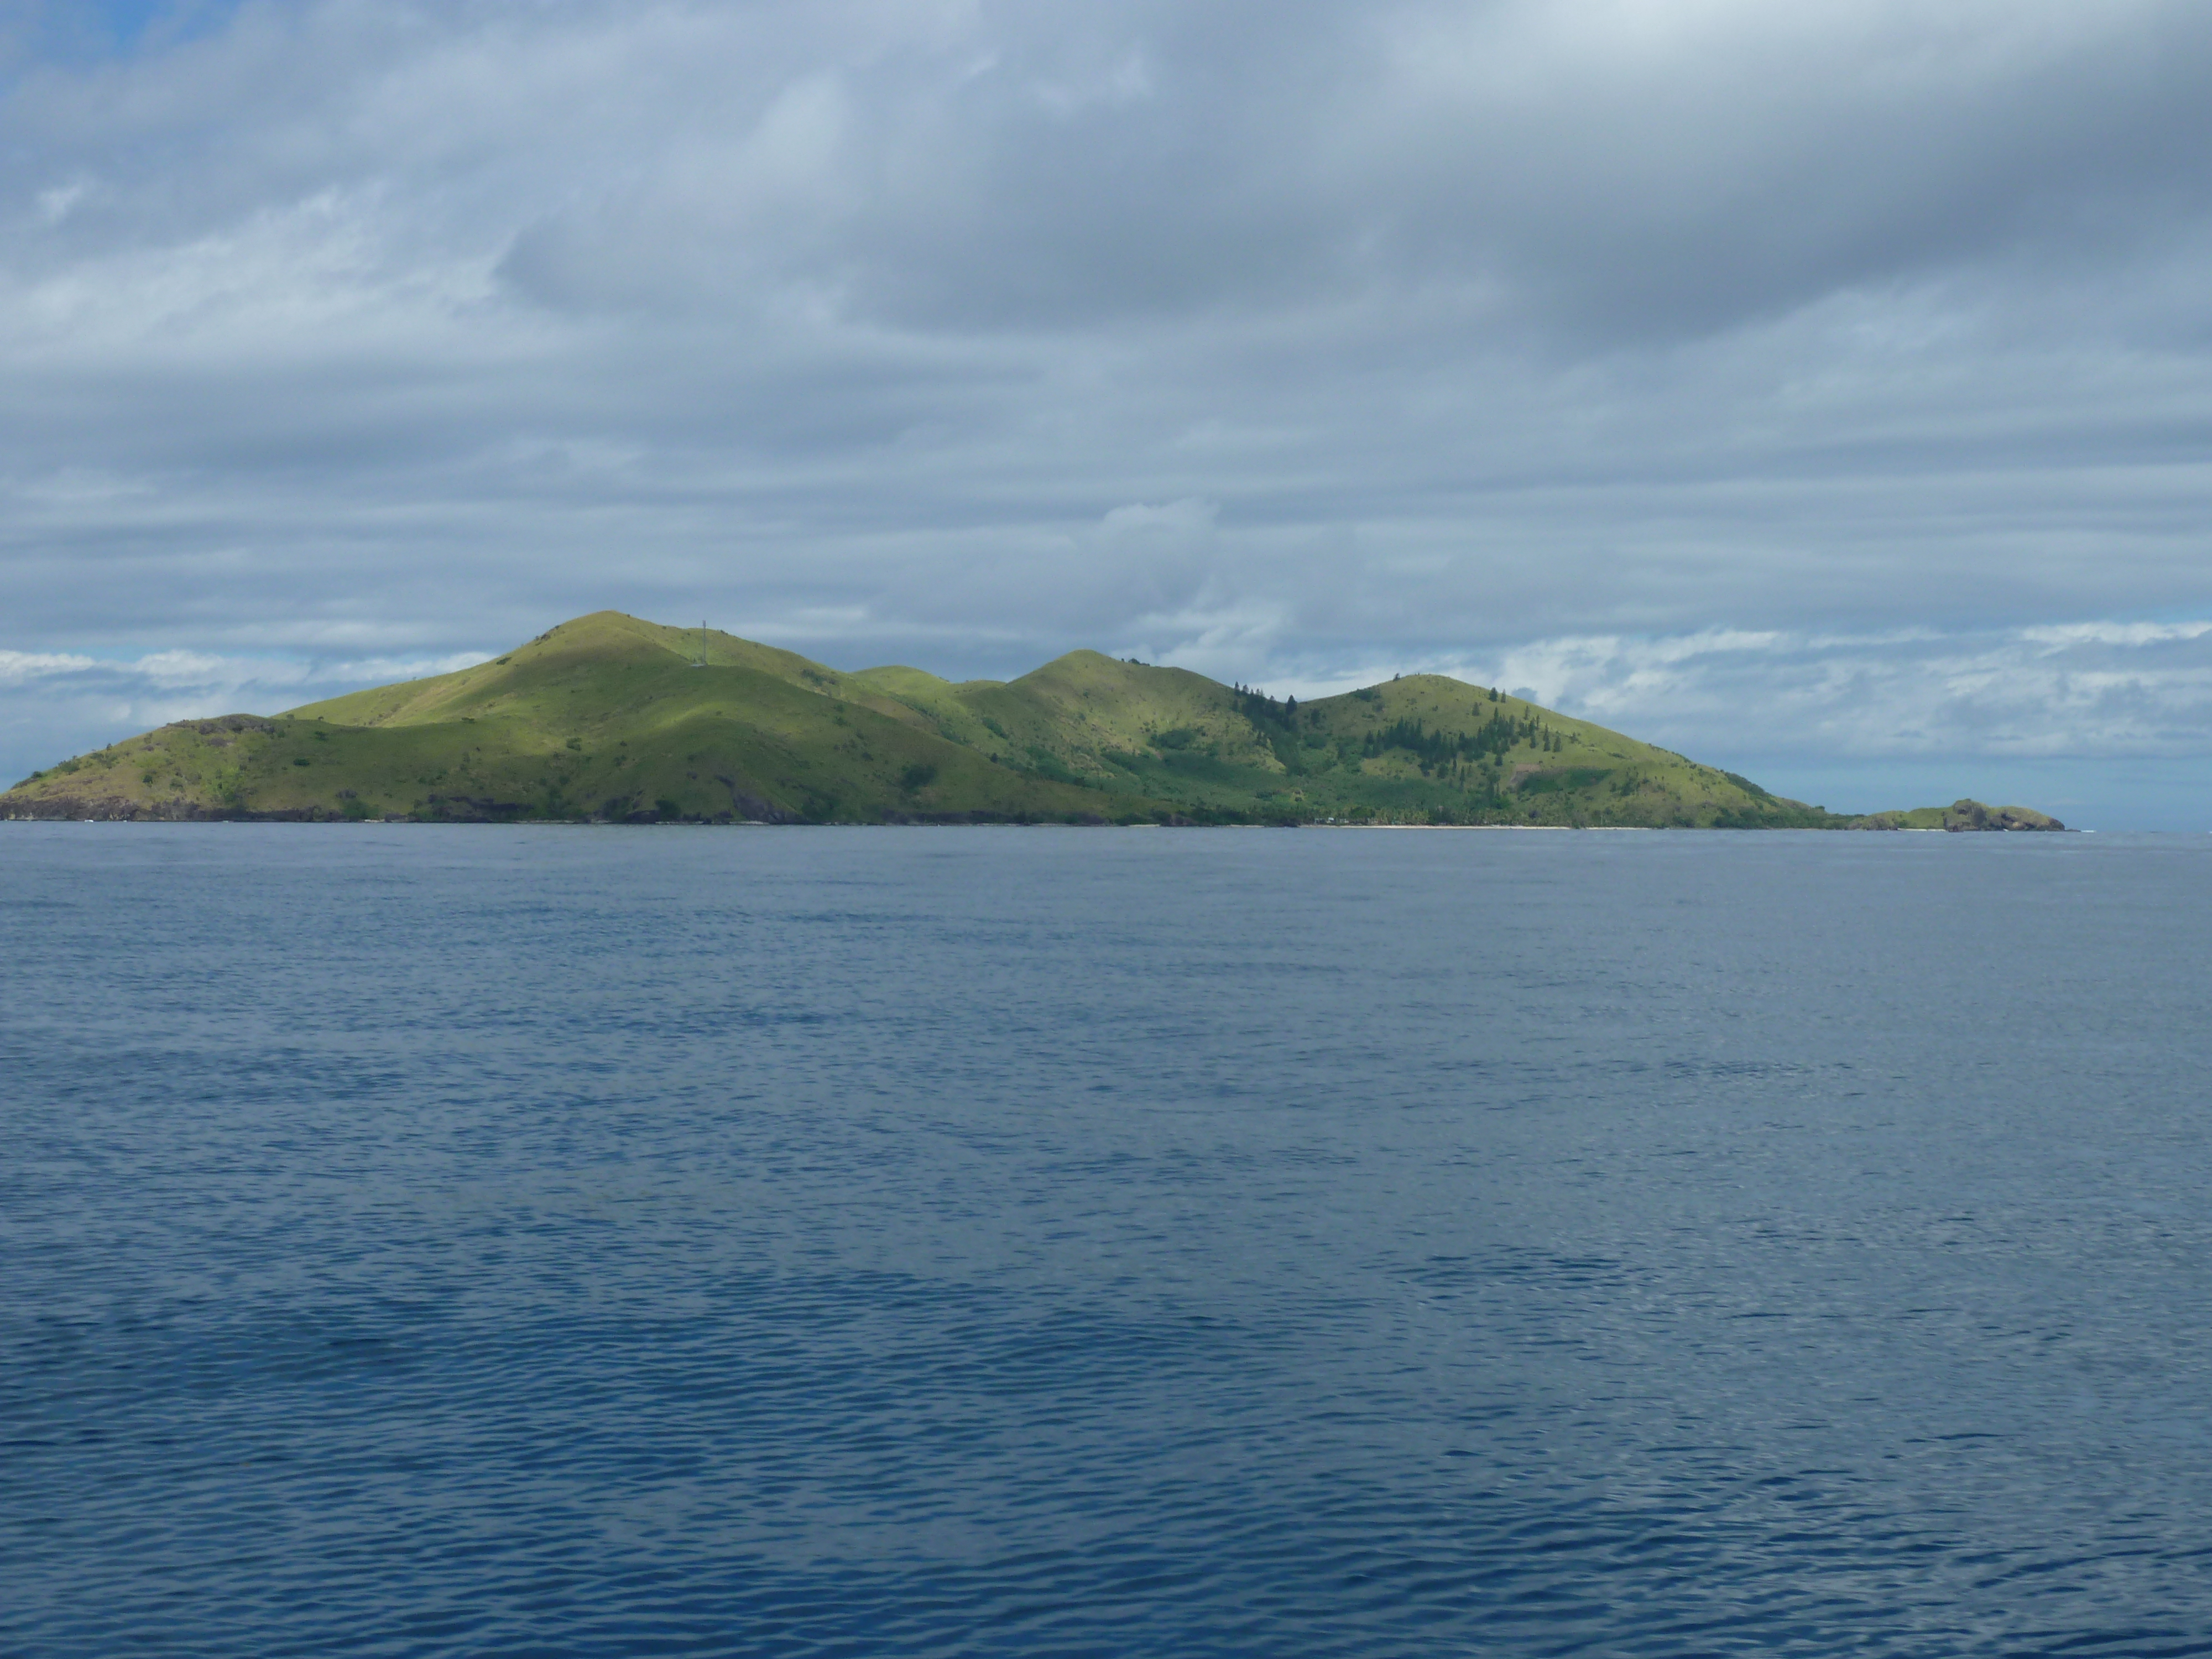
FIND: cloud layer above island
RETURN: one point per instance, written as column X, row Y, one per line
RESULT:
column 1824, row 380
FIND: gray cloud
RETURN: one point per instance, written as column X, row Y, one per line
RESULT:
column 1283, row 340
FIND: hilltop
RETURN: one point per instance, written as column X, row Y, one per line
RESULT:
column 610, row 719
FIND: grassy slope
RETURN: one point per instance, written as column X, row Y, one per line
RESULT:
column 609, row 717
column 1474, row 756
column 602, row 718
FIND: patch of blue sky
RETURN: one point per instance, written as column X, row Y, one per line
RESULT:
column 82, row 29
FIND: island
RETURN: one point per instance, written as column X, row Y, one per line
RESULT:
column 610, row 719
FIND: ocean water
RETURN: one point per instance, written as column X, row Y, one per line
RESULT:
column 568, row 1241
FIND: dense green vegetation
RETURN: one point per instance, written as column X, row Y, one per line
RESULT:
column 611, row 719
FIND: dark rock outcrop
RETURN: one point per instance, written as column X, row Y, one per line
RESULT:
column 1967, row 815
column 1960, row 816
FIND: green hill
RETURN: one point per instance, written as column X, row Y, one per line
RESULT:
column 611, row 719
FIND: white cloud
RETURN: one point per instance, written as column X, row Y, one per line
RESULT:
column 2070, row 634
column 1183, row 518
column 16, row 666
column 56, row 203
column 2090, row 688
column 194, row 683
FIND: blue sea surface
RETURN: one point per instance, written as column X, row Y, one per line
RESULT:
column 580, row 1242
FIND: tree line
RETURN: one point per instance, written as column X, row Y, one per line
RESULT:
column 1495, row 736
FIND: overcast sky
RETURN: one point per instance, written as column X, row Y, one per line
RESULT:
column 1819, row 389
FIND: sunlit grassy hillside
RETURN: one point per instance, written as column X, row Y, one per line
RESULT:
column 611, row 719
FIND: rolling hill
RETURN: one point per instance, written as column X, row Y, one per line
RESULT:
column 610, row 719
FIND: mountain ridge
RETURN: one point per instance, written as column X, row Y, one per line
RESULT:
column 607, row 717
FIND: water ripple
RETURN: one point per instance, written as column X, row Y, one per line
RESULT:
column 513, row 1242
